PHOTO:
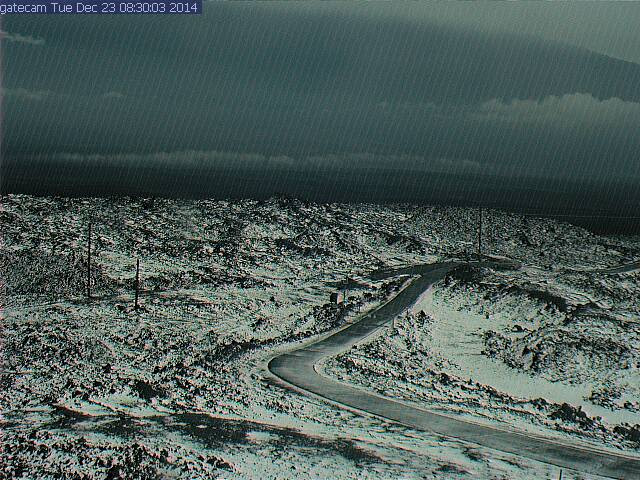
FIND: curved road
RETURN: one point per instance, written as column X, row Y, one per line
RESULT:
column 628, row 268
column 298, row 370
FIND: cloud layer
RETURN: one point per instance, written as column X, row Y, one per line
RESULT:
column 328, row 85
column 17, row 38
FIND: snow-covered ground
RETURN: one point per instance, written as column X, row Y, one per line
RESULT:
column 90, row 388
column 549, row 351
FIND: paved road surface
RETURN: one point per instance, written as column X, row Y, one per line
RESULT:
column 297, row 369
column 628, row 268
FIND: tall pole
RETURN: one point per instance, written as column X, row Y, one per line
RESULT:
column 137, row 281
column 480, row 233
column 346, row 290
column 89, row 263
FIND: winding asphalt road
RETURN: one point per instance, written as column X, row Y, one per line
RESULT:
column 628, row 268
column 297, row 370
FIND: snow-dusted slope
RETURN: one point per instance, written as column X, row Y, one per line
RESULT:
column 90, row 387
column 552, row 352
column 302, row 369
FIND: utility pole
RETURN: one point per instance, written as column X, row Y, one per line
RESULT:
column 346, row 290
column 89, row 263
column 137, row 282
column 480, row 232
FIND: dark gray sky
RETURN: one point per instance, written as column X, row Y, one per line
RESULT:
column 539, row 89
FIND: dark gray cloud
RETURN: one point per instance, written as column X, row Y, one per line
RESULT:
column 448, row 88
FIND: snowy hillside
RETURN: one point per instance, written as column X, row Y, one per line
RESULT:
column 91, row 388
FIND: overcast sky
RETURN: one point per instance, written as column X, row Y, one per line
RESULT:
column 542, row 89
